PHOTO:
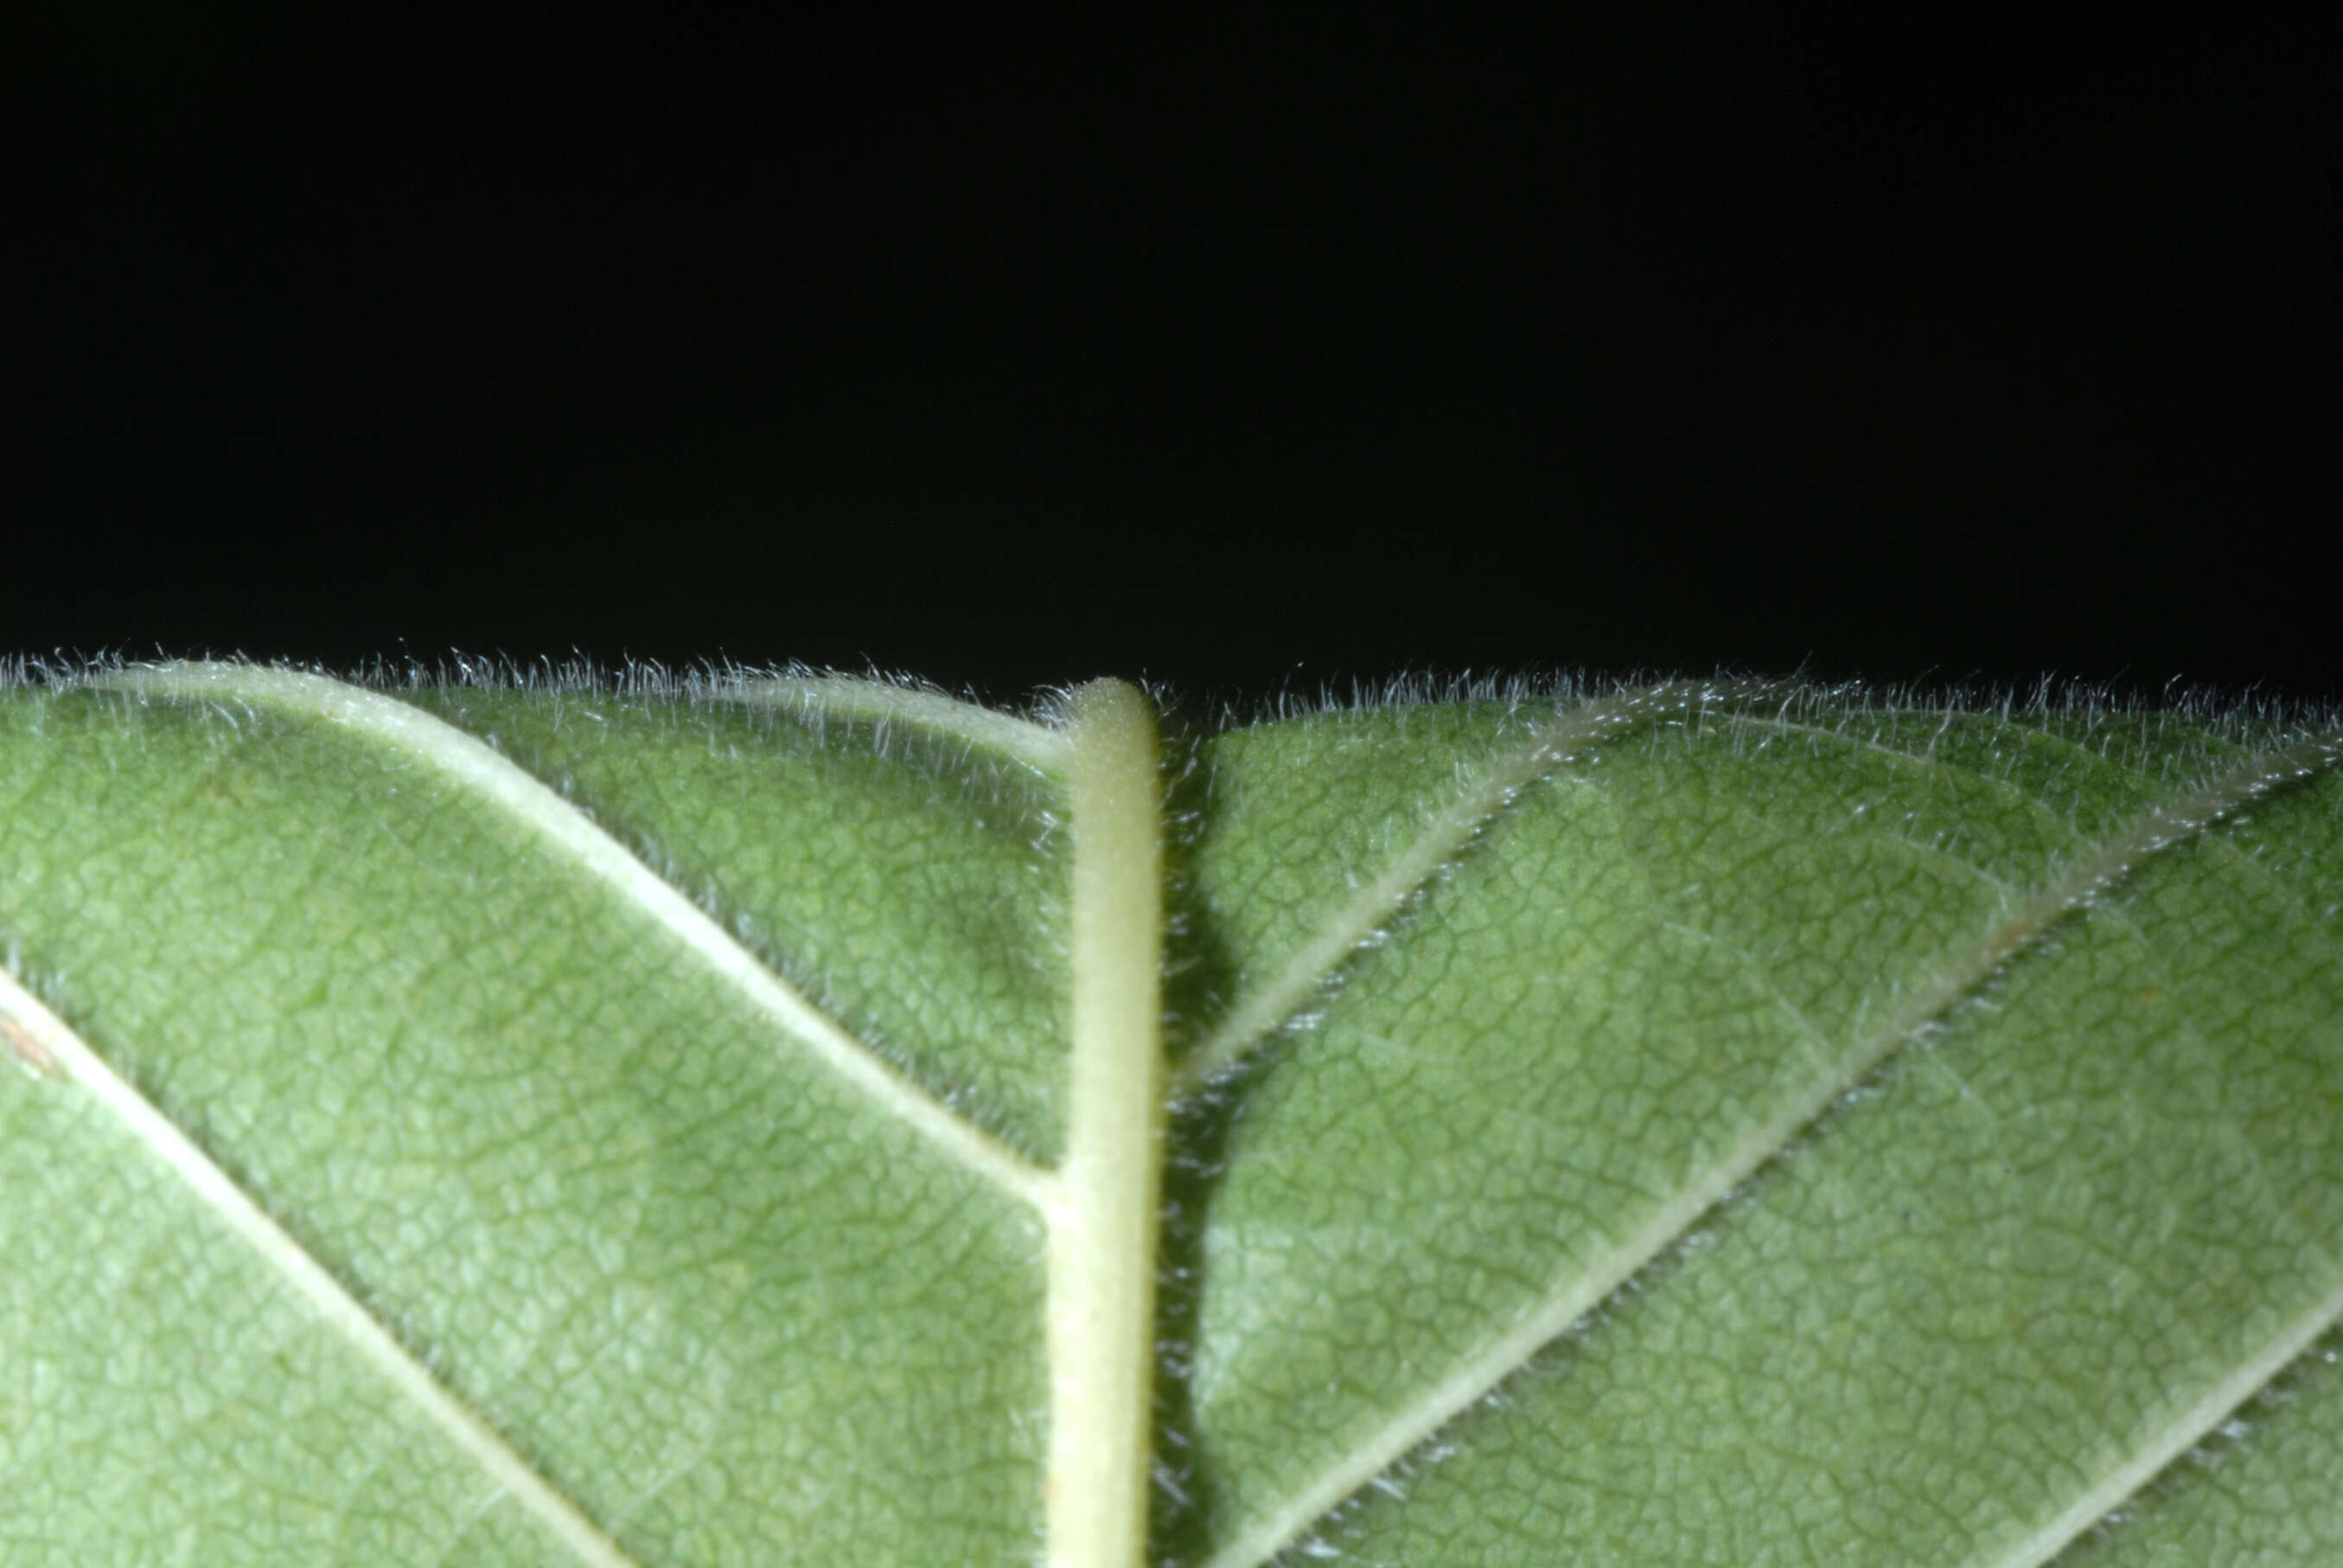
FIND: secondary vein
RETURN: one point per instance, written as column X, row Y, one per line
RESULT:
column 1446, row 835
column 341, row 1312
column 1472, row 1376
column 490, row 776
column 1038, row 746
column 2187, row 1427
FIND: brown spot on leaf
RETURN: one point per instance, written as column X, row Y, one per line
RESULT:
column 29, row 1052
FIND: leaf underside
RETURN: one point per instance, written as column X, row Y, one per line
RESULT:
column 1708, row 1122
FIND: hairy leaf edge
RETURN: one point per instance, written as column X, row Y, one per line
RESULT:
column 487, row 775
column 1466, row 815
column 1472, row 1378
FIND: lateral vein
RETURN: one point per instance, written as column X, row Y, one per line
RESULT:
column 488, row 774
column 511, row 1473
column 1445, row 836
column 2186, row 1429
column 1038, row 746
column 1472, row 1377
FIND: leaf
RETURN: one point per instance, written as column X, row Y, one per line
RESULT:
column 773, row 1119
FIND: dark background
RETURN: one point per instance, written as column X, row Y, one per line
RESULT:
column 1234, row 348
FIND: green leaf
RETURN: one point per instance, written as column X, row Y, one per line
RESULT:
column 771, row 1119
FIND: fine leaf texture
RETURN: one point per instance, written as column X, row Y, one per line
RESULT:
column 756, row 1119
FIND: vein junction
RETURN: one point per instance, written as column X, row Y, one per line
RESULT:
column 480, row 771
column 1101, row 1208
column 1043, row 749
column 1443, row 838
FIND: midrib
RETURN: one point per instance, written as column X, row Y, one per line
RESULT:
column 1103, row 1206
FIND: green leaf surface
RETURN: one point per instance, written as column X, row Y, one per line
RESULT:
column 799, row 1120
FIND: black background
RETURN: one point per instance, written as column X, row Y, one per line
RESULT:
column 1239, row 348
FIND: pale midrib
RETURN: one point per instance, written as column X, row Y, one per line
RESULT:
column 2187, row 1428
column 341, row 1312
column 1043, row 749
column 490, row 776
column 1105, row 1208
column 1473, row 1377
column 1442, row 839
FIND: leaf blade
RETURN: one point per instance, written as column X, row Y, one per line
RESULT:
column 510, row 1473
column 1249, row 1544
column 736, row 1306
column 504, row 786
column 364, row 995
